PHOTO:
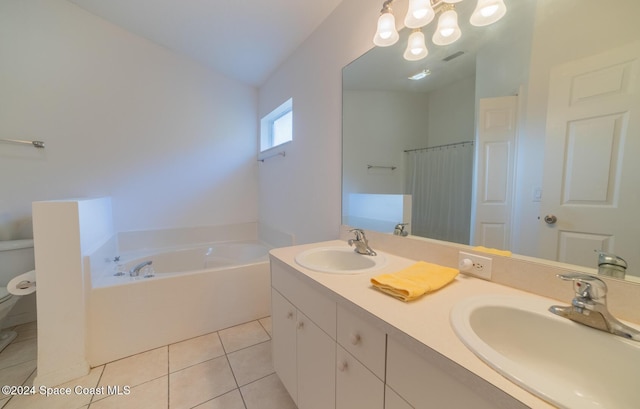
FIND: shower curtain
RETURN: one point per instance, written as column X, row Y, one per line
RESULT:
column 440, row 182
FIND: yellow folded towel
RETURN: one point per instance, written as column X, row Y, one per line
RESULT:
column 415, row 280
column 504, row 253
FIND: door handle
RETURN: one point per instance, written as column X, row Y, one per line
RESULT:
column 550, row 219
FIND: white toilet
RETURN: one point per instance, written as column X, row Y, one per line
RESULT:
column 16, row 258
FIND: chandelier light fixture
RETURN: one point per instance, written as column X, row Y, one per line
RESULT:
column 422, row 12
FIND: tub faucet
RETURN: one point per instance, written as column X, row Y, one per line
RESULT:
column 589, row 306
column 361, row 243
column 135, row 271
column 400, row 231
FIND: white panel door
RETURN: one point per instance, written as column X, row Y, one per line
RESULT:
column 591, row 188
column 495, row 153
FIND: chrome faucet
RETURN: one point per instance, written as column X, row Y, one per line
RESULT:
column 361, row 243
column 589, row 307
column 135, row 271
column 400, row 231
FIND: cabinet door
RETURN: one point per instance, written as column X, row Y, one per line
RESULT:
column 316, row 366
column 283, row 322
column 429, row 380
column 356, row 386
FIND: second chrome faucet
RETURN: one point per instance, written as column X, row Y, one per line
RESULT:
column 589, row 306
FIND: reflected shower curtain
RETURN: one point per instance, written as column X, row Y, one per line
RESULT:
column 440, row 180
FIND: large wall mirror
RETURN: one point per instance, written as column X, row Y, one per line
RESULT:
column 523, row 135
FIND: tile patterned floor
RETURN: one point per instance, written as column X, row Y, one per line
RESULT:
column 228, row 369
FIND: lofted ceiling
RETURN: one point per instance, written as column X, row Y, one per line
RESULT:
column 242, row 39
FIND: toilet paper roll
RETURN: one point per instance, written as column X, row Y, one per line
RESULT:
column 28, row 278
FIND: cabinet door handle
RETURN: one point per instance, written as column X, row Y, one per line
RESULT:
column 300, row 324
column 290, row 315
column 354, row 338
column 343, row 366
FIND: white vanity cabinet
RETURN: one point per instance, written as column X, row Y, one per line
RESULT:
column 304, row 346
column 333, row 353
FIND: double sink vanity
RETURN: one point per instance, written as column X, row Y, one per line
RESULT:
column 339, row 343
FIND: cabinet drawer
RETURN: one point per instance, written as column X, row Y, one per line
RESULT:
column 364, row 341
column 356, row 386
column 315, row 305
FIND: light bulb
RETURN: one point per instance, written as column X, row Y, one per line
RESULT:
column 420, row 13
column 416, row 47
column 448, row 30
column 488, row 12
column 386, row 34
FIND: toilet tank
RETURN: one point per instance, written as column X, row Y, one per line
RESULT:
column 16, row 257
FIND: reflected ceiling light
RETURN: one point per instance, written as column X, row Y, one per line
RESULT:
column 420, row 75
column 448, row 30
column 386, row 34
column 488, row 12
column 416, row 47
column 422, row 12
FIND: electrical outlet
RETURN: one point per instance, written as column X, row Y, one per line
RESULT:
column 479, row 266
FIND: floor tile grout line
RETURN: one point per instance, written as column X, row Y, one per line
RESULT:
column 256, row 380
column 23, row 383
column 250, row 346
column 17, row 363
column 97, row 383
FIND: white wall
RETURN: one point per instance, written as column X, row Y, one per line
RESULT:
column 379, row 126
column 171, row 142
column 300, row 193
column 451, row 113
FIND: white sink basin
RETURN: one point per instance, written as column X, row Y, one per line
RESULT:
column 563, row 362
column 339, row 260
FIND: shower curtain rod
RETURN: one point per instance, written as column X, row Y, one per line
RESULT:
column 36, row 144
column 448, row 145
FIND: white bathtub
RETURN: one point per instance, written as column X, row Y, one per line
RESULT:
column 194, row 291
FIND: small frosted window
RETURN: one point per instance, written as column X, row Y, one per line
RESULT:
column 276, row 128
column 283, row 129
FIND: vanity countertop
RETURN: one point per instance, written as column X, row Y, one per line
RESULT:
column 425, row 320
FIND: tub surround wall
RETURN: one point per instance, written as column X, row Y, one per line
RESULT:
column 524, row 273
column 166, row 238
column 63, row 230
